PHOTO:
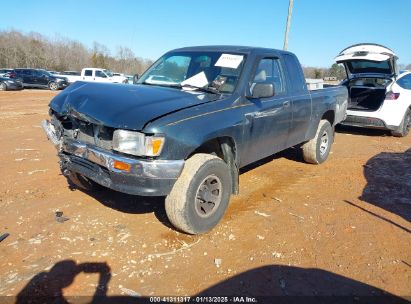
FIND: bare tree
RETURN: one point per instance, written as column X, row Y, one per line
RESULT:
column 59, row 53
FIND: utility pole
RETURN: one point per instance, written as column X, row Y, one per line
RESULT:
column 287, row 29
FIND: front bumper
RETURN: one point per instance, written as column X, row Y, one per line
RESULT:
column 62, row 85
column 146, row 177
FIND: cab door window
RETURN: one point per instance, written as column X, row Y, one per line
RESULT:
column 269, row 71
column 101, row 74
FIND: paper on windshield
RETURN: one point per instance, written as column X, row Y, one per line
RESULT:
column 229, row 61
column 198, row 80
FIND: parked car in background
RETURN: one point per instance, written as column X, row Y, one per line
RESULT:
column 119, row 77
column 38, row 78
column 130, row 79
column 8, row 84
column 159, row 79
column 379, row 98
column 101, row 75
column 72, row 73
column 5, row 72
column 72, row 76
column 212, row 111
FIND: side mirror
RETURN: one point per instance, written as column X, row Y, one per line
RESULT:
column 135, row 78
column 262, row 90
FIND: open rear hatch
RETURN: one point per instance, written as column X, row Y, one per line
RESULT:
column 370, row 68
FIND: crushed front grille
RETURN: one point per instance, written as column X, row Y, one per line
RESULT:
column 86, row 132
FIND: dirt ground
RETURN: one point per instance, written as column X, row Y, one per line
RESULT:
column 341, row 228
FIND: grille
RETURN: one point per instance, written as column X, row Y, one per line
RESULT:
column 90, row 133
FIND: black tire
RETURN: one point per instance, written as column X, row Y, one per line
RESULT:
column 3, row 86
column 205, row 176
column 53, row 86
column 316, row 150
column 79, row 181
column 405, row 126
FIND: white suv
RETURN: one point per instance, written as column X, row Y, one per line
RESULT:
column 379, row 98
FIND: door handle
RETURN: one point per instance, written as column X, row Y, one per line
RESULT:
column 286, row 104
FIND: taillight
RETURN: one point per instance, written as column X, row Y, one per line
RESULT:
column 392, row 96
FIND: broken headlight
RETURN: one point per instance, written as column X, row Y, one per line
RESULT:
column 136, row 143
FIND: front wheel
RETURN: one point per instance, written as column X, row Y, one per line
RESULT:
column 316, row 150
column 53, row 86
column 3, row 86
column 405, row 126
column 201, row 194
column 79, row 181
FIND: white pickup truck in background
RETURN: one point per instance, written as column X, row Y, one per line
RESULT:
column 95, row 75
column 100, row 75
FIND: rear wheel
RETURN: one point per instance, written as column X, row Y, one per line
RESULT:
column 316, row 150
column 405, row 126
column 53, row 86
column 201, row 194
column 3, row 86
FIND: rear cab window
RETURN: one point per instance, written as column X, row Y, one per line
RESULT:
column 296, row 80
column 88, row 73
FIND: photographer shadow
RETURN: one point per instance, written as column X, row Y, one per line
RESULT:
column 47, row 286
column 388, row 186
column 271, row 284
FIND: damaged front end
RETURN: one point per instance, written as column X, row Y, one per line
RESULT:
column 86, row 148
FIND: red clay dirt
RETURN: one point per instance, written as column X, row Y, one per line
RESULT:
column 342, row 227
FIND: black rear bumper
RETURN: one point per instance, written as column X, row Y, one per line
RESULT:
column 365, row 122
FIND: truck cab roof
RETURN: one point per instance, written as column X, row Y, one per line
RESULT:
column 230, row 48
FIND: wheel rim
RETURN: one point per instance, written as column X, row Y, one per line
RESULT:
column 208, row 196
column 2, row 86
column 324, row 143
column 53, row 86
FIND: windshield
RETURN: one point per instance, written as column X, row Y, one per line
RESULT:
column 108, row 73
column 216, row 70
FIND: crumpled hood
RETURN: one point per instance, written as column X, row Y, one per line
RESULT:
column 123, row 106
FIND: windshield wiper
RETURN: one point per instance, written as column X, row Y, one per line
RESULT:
column 162, row 84
column 207, row 89
column 179, row 86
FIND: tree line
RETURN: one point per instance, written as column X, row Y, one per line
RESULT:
column 18, row 50
column 335, row 70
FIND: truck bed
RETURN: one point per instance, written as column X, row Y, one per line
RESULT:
column 340, row 93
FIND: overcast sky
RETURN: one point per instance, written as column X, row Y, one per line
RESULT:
column 320, row 29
